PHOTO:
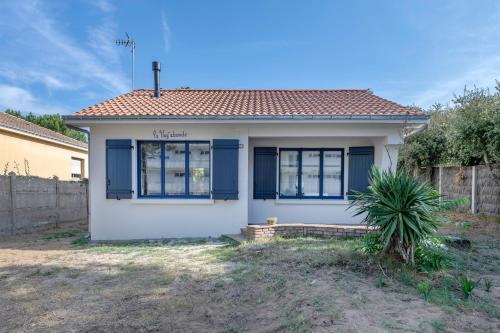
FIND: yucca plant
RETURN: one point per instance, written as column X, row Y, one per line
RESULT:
column 468, row 286
column 425, row 288
column 488, row 283
column 401, row 207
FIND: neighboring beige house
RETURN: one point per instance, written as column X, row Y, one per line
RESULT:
column 29, row 149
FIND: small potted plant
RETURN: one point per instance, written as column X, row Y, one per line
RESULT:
column 272, row 220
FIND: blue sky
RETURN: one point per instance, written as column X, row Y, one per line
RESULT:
column 59, row 56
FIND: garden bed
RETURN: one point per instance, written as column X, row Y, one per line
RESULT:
column 261, row 231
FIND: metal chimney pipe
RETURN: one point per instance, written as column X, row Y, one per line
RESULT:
column 156, row 73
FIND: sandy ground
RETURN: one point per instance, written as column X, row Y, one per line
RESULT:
column 48, row 284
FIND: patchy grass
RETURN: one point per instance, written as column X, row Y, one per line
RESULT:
column 62, row 234
column 62, row 283
column 82, row 240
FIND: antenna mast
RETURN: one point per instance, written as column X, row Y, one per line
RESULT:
column 130, row 43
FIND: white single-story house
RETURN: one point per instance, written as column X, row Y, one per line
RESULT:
column 190, row 163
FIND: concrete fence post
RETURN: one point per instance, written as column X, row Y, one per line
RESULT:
column 440, row 186
column 13, row 204
column 87, row 204
column 56, row 180
column 473, row 203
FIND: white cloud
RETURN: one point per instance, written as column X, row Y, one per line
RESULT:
column 483, row 74
column 16, row 98
column 79, row 61
column 51, row 57
column 103, row 5
column 476, row 59
column 167, row 33
column 102, row 41
column 51, row 81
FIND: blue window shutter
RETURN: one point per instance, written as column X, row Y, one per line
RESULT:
column 118, row 169
column 264, row 173
column 360, row 164
column 225, row 169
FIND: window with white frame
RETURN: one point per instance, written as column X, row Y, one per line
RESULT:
column 311, row 173
column 76, row 168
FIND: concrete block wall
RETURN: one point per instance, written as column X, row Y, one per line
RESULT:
column 479, row 184
column 456, row 183
column 28, row 203
column 488, row 190
column 5, row 205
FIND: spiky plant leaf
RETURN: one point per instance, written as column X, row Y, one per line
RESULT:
column 401, row 207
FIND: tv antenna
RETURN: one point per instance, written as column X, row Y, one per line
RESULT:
column 130, row 43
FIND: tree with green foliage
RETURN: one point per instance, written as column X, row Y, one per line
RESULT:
column 53, row 122
column 474, row 135
column 465, row 133
column 427, row 148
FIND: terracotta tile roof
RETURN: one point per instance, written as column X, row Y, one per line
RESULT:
column 247, row 103
column 15, row 123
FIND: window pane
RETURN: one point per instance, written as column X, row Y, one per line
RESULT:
column 175, row 169
column 150, row 169
column 199, row 169
column 289, row 172
column 332, row 173
column 76, row 168
column 310, row 173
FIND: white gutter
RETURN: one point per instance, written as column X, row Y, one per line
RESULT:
column 417, row 130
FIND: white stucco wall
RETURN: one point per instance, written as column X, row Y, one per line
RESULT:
column 162, row 218
column 165, row 218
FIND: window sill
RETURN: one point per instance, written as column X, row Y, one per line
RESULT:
column 332, row 202
column 187, row 202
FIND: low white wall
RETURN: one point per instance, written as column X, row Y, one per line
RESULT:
column 165, row 218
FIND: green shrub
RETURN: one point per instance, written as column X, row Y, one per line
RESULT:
column 466, row 132
column 451, row 204
column 61, row 234
column 431, row 254
column 426, row 148
column 401, row 207
column 468, row 286
column 425, row 288
column 380, row 282
column 82, row 240
column 371, row 243
column 439, row 325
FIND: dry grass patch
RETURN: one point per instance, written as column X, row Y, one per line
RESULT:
column 298, row 285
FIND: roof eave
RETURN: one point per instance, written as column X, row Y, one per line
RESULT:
column 17, row 131
column 75, row 119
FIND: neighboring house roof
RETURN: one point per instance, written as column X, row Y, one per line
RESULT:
column 14, row 123
column 196, row 104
